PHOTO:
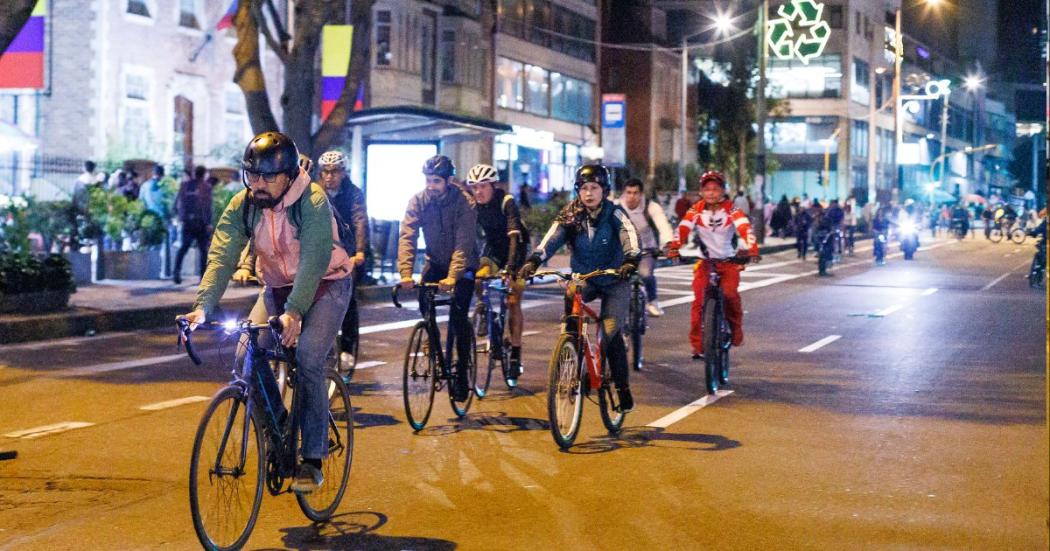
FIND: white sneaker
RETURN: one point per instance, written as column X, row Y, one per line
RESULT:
column 654, row 309
column 346, row 359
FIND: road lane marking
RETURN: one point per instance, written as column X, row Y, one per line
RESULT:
column 529, row 333
column 689, row 409
column 928, row 292
column 174, row 403
column 394, row 325
column 70, row 341
column 37, row 432
column 887, row 311
column 369, row 365
column 680, row 292
column 995, row 281
column 820, row 344
column 116, row 366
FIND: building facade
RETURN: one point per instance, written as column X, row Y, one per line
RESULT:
column 130, row 79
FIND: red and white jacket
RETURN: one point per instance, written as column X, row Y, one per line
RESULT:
column 716, row 229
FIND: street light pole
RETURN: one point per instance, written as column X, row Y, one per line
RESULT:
column 944, row 136
column 760, row 113
column 898, row 126
column 682, row 114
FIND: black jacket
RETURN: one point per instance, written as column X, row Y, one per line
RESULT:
column 449, row 225
column 350, row 203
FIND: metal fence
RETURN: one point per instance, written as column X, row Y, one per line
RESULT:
column 46, row 177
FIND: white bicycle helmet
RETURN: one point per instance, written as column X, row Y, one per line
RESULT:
column 332, row 158
column 482, row 173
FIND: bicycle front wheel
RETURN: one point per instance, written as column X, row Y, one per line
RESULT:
column 471, row 362
column 609, row 406
column 419, row 377
column 565, row 391
column 634, row 330
column 712, row 350
column 319, row 505
column 1018, row 236
column 996, row 235
column 491, row 355
column 723, row 358
column 226, row 472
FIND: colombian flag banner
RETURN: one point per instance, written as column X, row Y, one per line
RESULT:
column 227, row 18
column 22, row 65
column 336, row 41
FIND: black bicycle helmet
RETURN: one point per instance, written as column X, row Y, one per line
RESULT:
column 593, row 173
column 439, row 165
column 271, row 153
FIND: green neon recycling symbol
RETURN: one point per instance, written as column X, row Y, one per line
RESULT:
column 799, row 32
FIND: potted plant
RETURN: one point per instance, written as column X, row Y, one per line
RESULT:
column 29, row 283
column 130, row 236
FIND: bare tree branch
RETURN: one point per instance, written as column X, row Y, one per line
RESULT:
column 249, row 76
column 13, row 17
column 260, row 22
column 299, row 100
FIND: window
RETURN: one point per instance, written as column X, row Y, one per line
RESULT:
column 136, row 108
column 860, row 90
column 448, row 57
column 9, row 108
column 138, row 7
column 538, row 13
column 885, row 152
column 835, row 17
column 234, row 117
column 188, row 11
column 571, row 99
column 512, row 17
column 537, row 101
column 856, row 22
column 383, row 31
column 859, row 139
column 822, row 78
column 509, row 84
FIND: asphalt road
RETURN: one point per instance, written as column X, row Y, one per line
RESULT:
column 920, row 424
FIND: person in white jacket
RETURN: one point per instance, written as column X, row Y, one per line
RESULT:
column 654, row 233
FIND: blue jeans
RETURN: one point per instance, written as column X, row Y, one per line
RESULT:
column 646, row 267
column 320, row 327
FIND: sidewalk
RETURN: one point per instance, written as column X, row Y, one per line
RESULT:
column 116, row 305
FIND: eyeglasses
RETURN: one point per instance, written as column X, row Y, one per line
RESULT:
column 252, row 177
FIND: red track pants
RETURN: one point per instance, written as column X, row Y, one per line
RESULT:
column 730, row 274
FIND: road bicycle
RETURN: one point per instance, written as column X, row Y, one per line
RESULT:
column 427, row 369
column 489, row 320
column 578, row 366
column 247, row 440
column 718, row 336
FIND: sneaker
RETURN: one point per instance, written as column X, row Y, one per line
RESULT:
column 626, row 400
column 307, row 479
column 654, row 309
column 514, row 369
column 346, row 359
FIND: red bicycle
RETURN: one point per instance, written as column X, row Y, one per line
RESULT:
column 579, row 366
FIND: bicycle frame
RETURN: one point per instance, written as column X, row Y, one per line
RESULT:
column 592, row 354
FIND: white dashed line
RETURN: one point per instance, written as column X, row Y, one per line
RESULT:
column 928, row 292
column 885, row 312
column 529, row 333
column 174, row 403
column 369, row 365
column 994, row 282
column 820, row 344
column 687, row 410
column 37, row 432
column 116, row 366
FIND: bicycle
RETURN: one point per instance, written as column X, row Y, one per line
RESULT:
column 578, row 366
column 1007, row 230
column 718, row 336
column 490, row 324
column 244, row 415
column 825, row 242
column 426, row 368
column 637, row 319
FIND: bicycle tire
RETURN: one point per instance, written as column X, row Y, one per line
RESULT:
column 724, row 346
column 461, row 408
column 609, row 402
column 511, row 382
column 996, row 235
column 1018, row 236
column 635, row 329
column 712, row 350
column 419, row 378
column 230, row 427
column 565, row 391
column 337, row 463
column 484, row 375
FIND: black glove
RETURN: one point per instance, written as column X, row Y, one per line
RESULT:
column 529, row 267
column 626, row 269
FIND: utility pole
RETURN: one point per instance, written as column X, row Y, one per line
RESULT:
column 944, row 138
column 760, row 113
column 682, row 122
column 898, row 127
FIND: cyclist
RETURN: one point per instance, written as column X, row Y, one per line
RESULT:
column 305, row 270
column 719, row 225
column 444, row 211
column 506, row 243
column 654, row 233
column 600, row 236
column 349, row 204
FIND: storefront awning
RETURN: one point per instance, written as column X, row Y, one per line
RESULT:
column 408, row 123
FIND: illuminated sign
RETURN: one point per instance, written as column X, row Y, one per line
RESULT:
column 800, row 31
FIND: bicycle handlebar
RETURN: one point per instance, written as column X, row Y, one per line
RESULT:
column 572, row 276
column 397, row 288
column 186, row 328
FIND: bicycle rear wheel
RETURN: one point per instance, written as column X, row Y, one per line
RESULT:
column 565, row 391
column 635, row 329
column 724, row 346
column 319, row 505
column 996, row 235
column 488, row 363
column 226, row 472
column 712, row 348
column 461, row 408
column 504, row 361
column 1018, row 236
column 419, row 377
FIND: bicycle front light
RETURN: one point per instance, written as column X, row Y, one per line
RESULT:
column 230, row 325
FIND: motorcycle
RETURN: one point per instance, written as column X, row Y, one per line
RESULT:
column 908, row 235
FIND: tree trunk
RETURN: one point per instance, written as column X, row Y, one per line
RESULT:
column 301, row 74
column 248, row 74
column 12, row 18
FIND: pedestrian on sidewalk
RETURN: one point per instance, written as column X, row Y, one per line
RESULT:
column 802, row 222
column 741, row 203
column 193, row 205
column 781, row 217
